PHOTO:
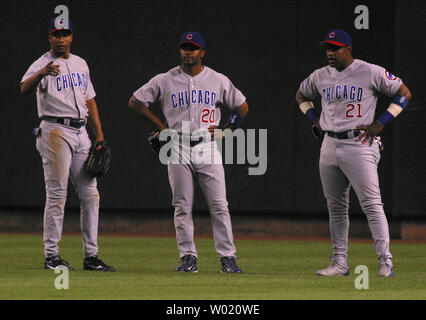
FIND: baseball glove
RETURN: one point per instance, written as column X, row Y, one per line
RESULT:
column 317, row 132
column 154, row 142
column 99, row 159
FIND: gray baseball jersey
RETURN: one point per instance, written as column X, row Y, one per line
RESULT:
column 64, row 95
column 194, row 99
column 349, row 97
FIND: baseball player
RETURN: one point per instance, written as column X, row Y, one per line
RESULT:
column 65, row 102
column 190, row 94
column 350, row 151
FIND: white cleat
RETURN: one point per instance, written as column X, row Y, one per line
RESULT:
column 334, row 269
column 385, row 269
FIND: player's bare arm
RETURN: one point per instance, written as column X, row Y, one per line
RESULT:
column 141, row 109
column 94, row 119
column 243, row 109
column 373, row 129
column 300, row 98
column 31, row 83
column 404, row 91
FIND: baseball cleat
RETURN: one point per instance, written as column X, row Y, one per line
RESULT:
column 385, row 268
column 189, row 264
column 55, row 263
column 95, row 264
column 334, row 269
column 229, row 265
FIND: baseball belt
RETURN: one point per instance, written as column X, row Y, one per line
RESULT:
column 75, row 123
column 344, row 135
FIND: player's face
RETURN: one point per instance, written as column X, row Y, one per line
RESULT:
column 60, row 41
column 191, row 55
column 337, row 57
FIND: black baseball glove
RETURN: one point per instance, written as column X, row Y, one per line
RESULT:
column 99, row 159
column 317, row 131
column 154, row 142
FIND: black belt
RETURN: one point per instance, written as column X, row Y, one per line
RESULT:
column 75, row 123
column 344, row 135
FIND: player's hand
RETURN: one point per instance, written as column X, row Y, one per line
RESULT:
column 164, row 125
column 317, row 131
column 370, row 132
column 316, row 124
column 50, row 69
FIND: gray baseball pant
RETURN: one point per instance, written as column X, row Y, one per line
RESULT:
column 345, row 163
column 63, row 151
column 211, row 178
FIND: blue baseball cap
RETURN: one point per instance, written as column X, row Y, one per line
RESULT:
column 59, row 26
column 338, row 38
column 194, row 38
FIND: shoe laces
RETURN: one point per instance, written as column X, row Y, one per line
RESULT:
column 188, row 260
column 385, row 261
column 61, row 261
column 229, row 262
column 334, row 262
column 96, row 260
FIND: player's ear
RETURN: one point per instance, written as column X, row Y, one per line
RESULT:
column 203, row 53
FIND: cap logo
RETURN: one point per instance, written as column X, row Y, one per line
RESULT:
column 331, row 35
column 189, row 36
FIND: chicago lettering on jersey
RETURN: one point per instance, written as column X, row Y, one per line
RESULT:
column 342, row 92
column 63, row 81
column 184, row 98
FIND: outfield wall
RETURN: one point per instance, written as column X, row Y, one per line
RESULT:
column 265, row 47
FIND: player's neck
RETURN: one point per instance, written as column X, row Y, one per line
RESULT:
column 347, row 64
column 192, row 70
column 63, row 55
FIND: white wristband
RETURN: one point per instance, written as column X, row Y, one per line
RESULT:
column 394, row 109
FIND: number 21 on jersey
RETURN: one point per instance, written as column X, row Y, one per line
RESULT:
column 353, row 110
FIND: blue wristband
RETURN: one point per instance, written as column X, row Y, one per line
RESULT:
column 385, row 118
column 401, row 101
column 235, row 119
column 312, row 115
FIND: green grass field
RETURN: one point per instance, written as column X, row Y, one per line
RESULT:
column 273, row 270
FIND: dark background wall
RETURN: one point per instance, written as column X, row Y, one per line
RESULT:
column 265, row 47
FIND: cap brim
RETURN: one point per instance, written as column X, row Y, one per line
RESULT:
column 335, row 43
column 191, row 42
column 54, row 30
